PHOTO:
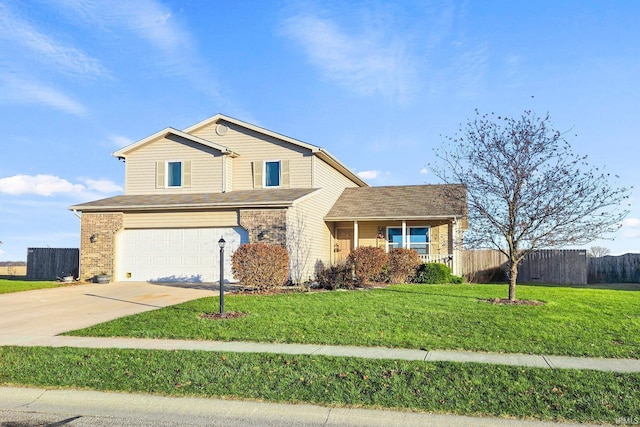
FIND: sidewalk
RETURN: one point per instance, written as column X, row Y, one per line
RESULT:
column 540, row 361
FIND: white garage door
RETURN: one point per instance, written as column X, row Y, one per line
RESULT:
column 176, row 254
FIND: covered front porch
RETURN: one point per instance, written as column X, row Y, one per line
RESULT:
column 433, row 240
column 429, row 219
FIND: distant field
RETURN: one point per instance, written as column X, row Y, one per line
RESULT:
column 20, row 270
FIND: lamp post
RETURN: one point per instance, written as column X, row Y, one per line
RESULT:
column 221, row 244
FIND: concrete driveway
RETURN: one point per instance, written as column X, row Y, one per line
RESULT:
column 25, row 316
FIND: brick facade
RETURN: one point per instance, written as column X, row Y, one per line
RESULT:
column 265, row 225
column 97, row 243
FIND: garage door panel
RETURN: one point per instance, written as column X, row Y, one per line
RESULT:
column 176, row 254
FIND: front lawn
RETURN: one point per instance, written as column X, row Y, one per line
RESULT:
column 458, row 388
column 575, row 322
column 18, row 285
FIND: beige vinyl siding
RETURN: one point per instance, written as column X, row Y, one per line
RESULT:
column 222, row 218
column 313, row 210
column 252, row 147
column 205, row 166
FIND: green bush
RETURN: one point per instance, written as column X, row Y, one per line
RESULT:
column 260, row 266
column 368, row 263
column 339, row 276
column 403, row 264
column 435, row 273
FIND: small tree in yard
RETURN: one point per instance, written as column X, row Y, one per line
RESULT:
column 526, row 188
column 598, row 251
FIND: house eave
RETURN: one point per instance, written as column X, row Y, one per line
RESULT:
column 122, row 153
column 182, row 207
column 395, row 218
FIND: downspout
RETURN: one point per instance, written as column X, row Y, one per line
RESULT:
column 75, row 212
column 224, row 173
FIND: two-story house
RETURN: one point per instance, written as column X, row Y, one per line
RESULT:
column 222, row 177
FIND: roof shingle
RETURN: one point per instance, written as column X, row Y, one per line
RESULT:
column 398, row 202
column 235, row 199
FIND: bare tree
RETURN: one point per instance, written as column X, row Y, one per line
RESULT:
column 526, row 188
column 598, row 251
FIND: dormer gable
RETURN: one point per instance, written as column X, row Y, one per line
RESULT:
column 123, row 152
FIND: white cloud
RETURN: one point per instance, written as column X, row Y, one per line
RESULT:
column 470, row 66
column 44, row 48
column 102, row 185
column 120, row 141
column 15, row 90
column 370, row 62
column 42, row 185
column 49, row 185
column 370, row 174
column 156, row 24
column 631, row 227
column 424, row 171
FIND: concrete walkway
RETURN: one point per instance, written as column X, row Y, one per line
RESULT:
column 553, row 362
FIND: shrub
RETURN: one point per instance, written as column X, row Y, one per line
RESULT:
column 339, row 276
column 368, row 263
column 402, row 265
column 260, row 266
column 435, row 273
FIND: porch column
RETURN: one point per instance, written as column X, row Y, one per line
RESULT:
column 457, row 267
column 355, row 234
column 404, row 234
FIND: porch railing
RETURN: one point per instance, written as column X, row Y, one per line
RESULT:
column 446, row 259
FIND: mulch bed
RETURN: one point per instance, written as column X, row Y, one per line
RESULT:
column 218, row 316
column 506, row 301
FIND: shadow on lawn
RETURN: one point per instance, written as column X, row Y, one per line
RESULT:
column 204, row 286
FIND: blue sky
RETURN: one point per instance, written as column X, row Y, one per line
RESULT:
column 378, row 84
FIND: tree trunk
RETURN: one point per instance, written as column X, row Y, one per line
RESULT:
column 513, row 276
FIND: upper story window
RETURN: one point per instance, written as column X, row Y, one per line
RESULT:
column 272, row 174
column 174, row 174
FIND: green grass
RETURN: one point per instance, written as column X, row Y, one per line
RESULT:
column 575, row 322
column 11, row 285
column 469, row 389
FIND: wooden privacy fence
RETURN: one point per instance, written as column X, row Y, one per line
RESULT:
column 614, row 269
column 567, row 267
column 542, row 266
column 483, row 266
column 51, row 263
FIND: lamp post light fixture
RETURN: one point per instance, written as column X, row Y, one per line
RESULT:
column 221, row 244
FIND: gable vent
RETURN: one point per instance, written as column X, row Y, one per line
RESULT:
column 221, row 129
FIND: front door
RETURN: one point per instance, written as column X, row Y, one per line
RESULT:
column 344, row 244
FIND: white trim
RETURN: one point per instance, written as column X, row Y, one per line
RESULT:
column 122, row 153
column 404, row 234
column 355, row 234
column 264, row 174
column 166, row 174
column 406, row 241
